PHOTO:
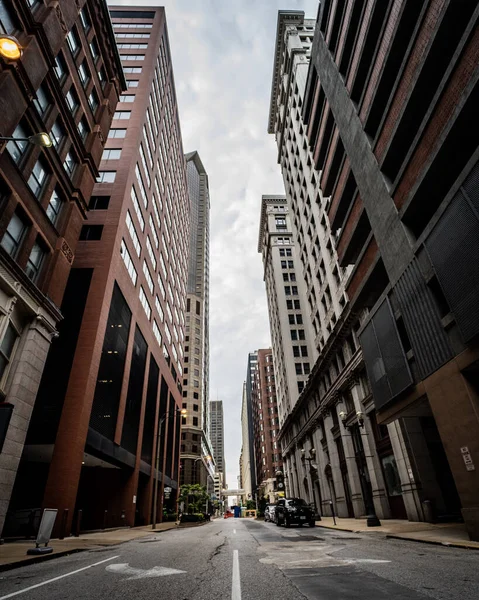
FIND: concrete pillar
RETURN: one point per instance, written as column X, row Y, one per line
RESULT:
column 378, row 485
column 22, row 387
column 341, row 505
column 322, row 461
column 409, row 487
column 353, row 473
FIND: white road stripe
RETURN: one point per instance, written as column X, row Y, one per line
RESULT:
column 236, row 583
column 32, row 587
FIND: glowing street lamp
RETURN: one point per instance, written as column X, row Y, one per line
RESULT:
column 38, row 139
column 10, row 47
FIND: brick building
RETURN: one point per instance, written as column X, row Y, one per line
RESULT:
column 389, row 110
column 67, row 84
column 112, row 387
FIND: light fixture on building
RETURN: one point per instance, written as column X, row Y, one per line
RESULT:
column 38, row 139
column 360, row 417
column 10, row 47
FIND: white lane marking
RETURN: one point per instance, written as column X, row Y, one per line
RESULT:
column 236, row 582
column 125, row 569
column 234, row 530
column 37, row 585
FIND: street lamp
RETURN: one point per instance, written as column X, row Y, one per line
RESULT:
column 157, row 461
column 312, row 467
column 10, row 47
column 354, row 428
column 38, row 139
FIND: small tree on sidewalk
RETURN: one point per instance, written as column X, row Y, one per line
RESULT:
column 194, row 497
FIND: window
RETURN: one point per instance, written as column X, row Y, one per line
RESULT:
column 84, row 73
column 195, row 421
column 157, row 333
column 93, row 101
column 73, row 41
column 132, row 231
column 106, row 177
column 132, row 57
column 102, row 77
column 13, row 235
column 137, row 207
column 70, row 163
column 42, row 101
column 37, row 179
column 132, row 69
column 54, row 207
column 16, row 148
column 6, row 348
column 94, row 50
column 128, row 262
column 57, row 134
column 99, row 202
column 85, row 19
column 117, row 133
column 111, row 154
column 304, row 351
column 91, row 232
column 60, row 68
column 83, row 128
column 151, row 254
column 145, row 303
column 132, row 83
column 122, row 115
column 72, row 100
column 149, row 279
column 195, row 407
column 35, row 260
column 127, row 98
column 135, row 46
column 299, row 368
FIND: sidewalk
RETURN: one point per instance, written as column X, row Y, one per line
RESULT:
column 447, row 534
column 14, row 554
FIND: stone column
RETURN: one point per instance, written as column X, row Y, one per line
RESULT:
column 353, row 473
column 378, row 485
column 341, row 505
column 322, row 461
column 22, row 387
column 409, row 487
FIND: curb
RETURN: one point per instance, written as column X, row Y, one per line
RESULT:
column 463, row 546
column 36, row 559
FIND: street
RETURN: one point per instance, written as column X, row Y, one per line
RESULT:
column 250, row 560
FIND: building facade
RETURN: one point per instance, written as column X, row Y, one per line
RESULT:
column 331, row 452
column 100, row 429
column 266, row 426
column 247, row 451
column 216, row 431
column 67, row 84
column 390, row 91
column 195, row 444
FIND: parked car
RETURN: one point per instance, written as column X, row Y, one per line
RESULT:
column 269, row 512
column 294, row 510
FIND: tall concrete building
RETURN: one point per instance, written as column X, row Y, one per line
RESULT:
column 217, row 437
column 67, row 84
column 112, row 387
column 267, row 450
column 247, row 450
column 331, row 453
column 388, row 107
column 196, row 467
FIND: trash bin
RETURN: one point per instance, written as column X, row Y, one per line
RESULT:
column 428, row 511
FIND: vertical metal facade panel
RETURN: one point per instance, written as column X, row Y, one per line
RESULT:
column 384, row 356
column 454, row 250
column 428, row 339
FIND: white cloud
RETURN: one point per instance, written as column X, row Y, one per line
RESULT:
column 222, row 58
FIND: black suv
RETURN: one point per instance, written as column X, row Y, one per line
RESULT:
column 294, row 510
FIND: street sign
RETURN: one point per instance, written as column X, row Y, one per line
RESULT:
column 44, row 532
column 125, row 569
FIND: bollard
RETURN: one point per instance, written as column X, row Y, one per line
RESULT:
column 105, row 516
column 63, row 524
column 332, row 510
column 78, row 523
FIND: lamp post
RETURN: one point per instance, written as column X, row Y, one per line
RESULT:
column 157, row 462
column 38, row 139
column 10, row 48
column 354, row 428
column 312, row 467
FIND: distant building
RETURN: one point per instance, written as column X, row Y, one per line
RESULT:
column 217, row 437
column 112, row 386
column 195, row 449
column 67, row 84
column 247, row 450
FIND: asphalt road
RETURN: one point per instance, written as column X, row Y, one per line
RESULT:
column 251, row 560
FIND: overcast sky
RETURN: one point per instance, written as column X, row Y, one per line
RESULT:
column 222, row 53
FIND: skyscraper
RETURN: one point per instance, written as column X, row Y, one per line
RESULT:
column 217, row 437
column 93, row 441
column 67, row 83
column 196, row 463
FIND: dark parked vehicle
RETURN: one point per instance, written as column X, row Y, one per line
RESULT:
column 294, row 510
column 269, row 512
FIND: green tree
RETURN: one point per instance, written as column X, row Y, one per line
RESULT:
column 194, row 497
